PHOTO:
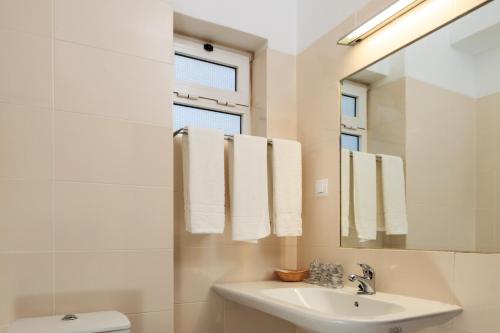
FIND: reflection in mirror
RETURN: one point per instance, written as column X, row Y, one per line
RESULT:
column 422, row 124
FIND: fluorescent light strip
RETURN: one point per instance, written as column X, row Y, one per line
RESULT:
column 378, row 21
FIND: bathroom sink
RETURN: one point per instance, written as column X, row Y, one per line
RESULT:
column 323, row 310
column 334, row 303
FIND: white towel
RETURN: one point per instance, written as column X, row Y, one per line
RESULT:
column 287, row 188
column 365, row 195
column 393, row 189
column 203, row 168
column 345, row 193
column 248, row 187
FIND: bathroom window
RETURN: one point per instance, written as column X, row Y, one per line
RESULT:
column 211, row 86
column 353, row 110
column 349, row 105
column 184, row 115
column 206, row 73
column 349, row 141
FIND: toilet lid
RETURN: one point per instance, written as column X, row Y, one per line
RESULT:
column 93, row 322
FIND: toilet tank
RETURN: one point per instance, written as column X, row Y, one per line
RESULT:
column 92, row 322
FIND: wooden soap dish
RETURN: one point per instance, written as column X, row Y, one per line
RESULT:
column 292, row 275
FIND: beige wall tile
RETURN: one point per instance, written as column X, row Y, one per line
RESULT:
column 396, row 268
column 473, row 271
column 30, row 16
column 25, row 285
column 281, row 95
column 131, row 282
column 288, row 255
column 246, row 262
column 259, row 92
column 205, row 317
column 241, row 319
column 93, row 81
column 26, row 67
column 259, row 79
column 90, row 216
column 477, row 292
column 151, row 322
column 26, row 148
column 485, row 231
column 478, row 321
column 308, row 253
column 141, row 28
column 194, row 273
column 25, row 215
column 98, row 149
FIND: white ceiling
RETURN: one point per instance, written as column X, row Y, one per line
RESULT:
column 316, row 17
column 289, row 26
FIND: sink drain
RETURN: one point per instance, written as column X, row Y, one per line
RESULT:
column 356, row 304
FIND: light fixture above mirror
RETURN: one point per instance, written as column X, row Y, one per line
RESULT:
column 396, row 9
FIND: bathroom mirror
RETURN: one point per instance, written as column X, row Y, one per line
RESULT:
column 434, row 104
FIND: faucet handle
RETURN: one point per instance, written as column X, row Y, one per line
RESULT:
column 368, row 271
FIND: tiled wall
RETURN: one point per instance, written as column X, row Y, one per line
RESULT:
column 468, row 279
column 488, row 176
column 440, row 167
column 201, row 260
column 387, row 119
column 86, row 151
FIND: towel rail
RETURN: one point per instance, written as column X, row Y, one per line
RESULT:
column 378, row 158
column 228, row 137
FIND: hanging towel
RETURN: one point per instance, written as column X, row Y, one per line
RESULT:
column 203, row 168
column 365, row 195
column 393, row 189
column 287, row 188
column 345, row 193
column 248, row 187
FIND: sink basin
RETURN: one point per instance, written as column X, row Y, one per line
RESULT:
column 323, row 310
column 334, row 303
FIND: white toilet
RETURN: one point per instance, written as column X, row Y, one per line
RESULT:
column 93, row 322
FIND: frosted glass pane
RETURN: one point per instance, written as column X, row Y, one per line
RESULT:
column 190, row 116
column 349, row 106
column 350, row 142
column 204, row 73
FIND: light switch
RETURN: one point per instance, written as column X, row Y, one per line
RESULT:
column 321, row 188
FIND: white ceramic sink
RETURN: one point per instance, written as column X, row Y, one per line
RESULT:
column 323, row 310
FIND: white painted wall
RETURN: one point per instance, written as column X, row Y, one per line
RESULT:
column 317, row 17
column 478, row 31
column 434, row 60
column 290, row 26
column 274, row 20
column 488, row 72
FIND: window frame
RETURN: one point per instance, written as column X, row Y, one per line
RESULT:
column 218, row 100
column 357, row 125
column 202, row 108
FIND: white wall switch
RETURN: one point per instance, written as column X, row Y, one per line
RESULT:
column 321, row 188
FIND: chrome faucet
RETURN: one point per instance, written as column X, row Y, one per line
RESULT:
column 366, row 283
